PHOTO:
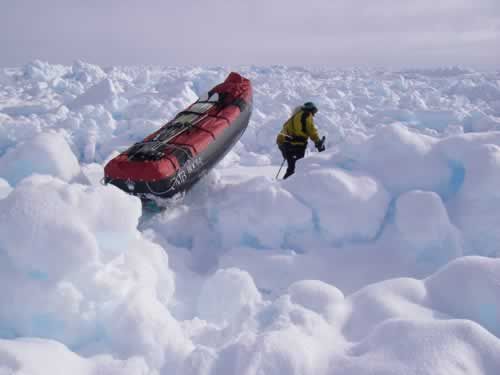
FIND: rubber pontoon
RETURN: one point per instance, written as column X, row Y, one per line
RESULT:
column 177, row 155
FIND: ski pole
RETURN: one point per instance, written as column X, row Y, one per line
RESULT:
column 277, row 174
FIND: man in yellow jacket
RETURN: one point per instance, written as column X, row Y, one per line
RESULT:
column 292, row 140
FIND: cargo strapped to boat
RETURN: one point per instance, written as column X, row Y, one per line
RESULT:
column 154, row 149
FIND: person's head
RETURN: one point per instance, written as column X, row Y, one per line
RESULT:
column 310, row 107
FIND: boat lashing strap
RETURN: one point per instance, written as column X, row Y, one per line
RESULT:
column 154, row 148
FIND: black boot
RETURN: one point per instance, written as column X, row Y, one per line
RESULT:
column 287, row 174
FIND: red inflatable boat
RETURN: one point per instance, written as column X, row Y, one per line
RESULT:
column 178, row 154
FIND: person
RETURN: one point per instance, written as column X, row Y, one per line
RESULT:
column 292, row 140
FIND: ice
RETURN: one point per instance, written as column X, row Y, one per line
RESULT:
column 32, row 250
column 423, row 223
column 42, row 71
column 477, row 202
column 333, row 332
column 46, row 153
column 5, row 188
column 467, row 289
column 316, row 295
column 75, row 269
column 237, row 289
column 234, row 217
column 239, row 220
column 103, row 92
column 455, row 346
column 92, row 131
column 346, row 206
column 408, row 163
column 85, row 73
column 378, row 255
column 39, row 357
column 92, row 173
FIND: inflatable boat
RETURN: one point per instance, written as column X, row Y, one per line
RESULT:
column 178, row 154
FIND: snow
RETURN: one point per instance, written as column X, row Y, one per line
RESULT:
column 46, row 153
column 423, row 223
column 316, row 296
column 478, row 300
column 5, row 188
column 347, row 206
column 379, row 256
column 405, row 163
column 39, row 356
column 238, row 291
column 75, row 269
column 103, row 92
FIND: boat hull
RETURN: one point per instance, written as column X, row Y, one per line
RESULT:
column 193, row 169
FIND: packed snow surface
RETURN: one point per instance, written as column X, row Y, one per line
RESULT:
column 379, row 256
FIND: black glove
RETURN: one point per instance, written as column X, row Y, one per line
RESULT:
column 320, row 145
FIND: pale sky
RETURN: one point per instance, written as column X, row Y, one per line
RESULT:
column 336, row 33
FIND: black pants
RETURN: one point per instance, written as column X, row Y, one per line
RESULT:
column 291, row 153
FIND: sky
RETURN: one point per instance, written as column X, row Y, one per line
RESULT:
column 337, row 33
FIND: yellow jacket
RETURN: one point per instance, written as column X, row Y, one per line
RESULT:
column 298, row 129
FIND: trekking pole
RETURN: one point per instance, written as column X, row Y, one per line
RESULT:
column 277, row 174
